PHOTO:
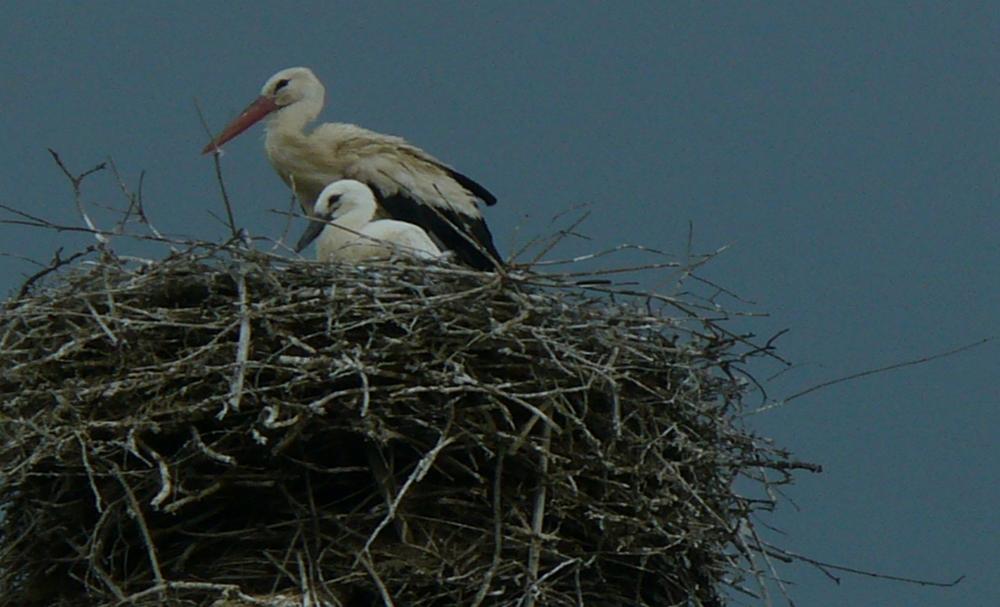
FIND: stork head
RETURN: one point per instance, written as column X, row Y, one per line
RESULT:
column 294, row 87
column 336, row 200
column 342, row 197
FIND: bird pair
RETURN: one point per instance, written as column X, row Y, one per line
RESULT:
column 367, row 193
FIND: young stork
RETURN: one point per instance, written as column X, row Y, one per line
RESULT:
column 344, row 224
column 411, row 185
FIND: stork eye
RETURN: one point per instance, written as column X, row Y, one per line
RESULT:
column 281, row 84
column 333, row 199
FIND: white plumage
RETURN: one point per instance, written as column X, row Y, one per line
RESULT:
column 409, row 184
column 351, row 232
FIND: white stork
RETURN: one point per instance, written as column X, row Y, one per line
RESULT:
column 410, row 184
column 345, row 228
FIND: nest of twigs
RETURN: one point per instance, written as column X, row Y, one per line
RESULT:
column 227, row 427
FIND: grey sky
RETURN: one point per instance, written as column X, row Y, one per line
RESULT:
column 849, row 155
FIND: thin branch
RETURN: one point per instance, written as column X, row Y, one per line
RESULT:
column 892, row 367
column 76, row 181
column 497, row 530
column 824, row 566
column 242, row 347
column 216, row 154
column 423, row 467
column 136, row 509
column 538, row 518
column 382, row 590
column 56, row 263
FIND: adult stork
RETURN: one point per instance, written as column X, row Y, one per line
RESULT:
column 345, row 228
column 410, row 184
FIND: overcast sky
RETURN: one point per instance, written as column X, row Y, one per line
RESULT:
column 848, row 156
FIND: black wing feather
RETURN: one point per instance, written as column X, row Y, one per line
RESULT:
column 441, row 225
column 479, row 191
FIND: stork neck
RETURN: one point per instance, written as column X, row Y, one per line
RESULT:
column 292, row 119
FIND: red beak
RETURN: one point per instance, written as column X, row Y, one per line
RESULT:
column 262, row 106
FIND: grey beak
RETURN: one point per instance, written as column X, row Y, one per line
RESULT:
column 316, row 225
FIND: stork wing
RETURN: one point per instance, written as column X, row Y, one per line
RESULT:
column 413, row 186
column 467, row 236
column 479, row 191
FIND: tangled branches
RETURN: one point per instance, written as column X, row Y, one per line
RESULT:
column 227, row 427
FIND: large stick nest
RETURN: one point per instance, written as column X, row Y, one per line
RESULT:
column 226, row 427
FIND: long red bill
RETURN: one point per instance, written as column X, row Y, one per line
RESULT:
column 262, row 106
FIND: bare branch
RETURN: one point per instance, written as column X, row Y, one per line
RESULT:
column 76, row 181
column 892, row 367
column 216, row 155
